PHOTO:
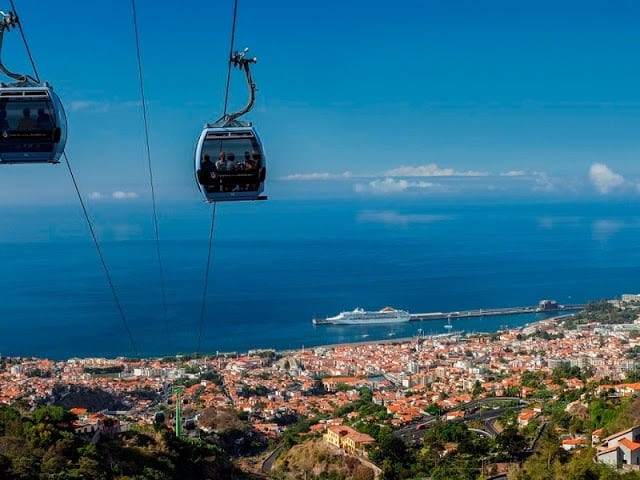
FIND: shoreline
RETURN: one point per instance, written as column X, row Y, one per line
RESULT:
column 395, row 340
column 290, row 351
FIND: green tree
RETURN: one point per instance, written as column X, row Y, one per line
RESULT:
column 511, row 442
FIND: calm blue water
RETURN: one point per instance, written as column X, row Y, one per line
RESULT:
column 276, row 264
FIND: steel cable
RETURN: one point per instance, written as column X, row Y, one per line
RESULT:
column 153, row 194
column 206, row 278
column 102, row 260
column 233, row 34
column 26, row 45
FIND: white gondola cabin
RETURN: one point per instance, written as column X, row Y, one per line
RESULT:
column 230, row 164
column 33, row 125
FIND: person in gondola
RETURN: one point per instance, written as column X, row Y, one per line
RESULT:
column 27, row 122
column 248, row 163
column 43, row 121
column 222, row 160
column 231, row 162
column 208, row 175
column 255, row 156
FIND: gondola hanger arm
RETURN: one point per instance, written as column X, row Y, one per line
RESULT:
column 241, row 61
column 9, row 21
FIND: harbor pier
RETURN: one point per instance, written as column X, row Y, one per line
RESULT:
column 480, row 312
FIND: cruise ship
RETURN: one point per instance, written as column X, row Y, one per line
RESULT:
column 361, row 317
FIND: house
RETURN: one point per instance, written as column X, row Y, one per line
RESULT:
column 347, row 438
column 595, row 436
column 455, row 415
column 622, row 448
column 525, row 417
column 572, row 443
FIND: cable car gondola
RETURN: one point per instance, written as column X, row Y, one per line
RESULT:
column 230, row 163
column 33, row 125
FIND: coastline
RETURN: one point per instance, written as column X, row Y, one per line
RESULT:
column 398, row 340
column 292, row 351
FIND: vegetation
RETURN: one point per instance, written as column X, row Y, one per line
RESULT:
column 42, row 445
column 602, row 312
column 103, row 370
column 314, row 460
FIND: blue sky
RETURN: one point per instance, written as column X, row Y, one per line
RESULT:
column 355, row 98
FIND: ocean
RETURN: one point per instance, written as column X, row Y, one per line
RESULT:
column 277, row 264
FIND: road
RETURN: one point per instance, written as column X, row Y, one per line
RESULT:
column 416, row 430
column 267, row 465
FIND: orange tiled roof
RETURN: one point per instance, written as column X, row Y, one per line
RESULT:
column 629, row 444
column 574, row 441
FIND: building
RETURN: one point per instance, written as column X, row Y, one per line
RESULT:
column 622, row 448
column 347, row 438
column 547, row 306
column 455, row 415
column 572, row 443
column 526, row 416
column 630, row 298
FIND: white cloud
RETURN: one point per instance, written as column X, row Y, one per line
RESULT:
column 543, row 183
column 604, row 179
column 132, row 104
column 431, row 170
column 118, row 195
column 93, row 106
column 317, row 176
column 90, row 106
column 390, row 185
column 393, row 218
column 513, row 173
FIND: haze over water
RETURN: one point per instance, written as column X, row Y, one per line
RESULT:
column 277, row 264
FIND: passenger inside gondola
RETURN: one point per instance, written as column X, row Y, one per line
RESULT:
column 256, row 159
column 27, row 122
column 208, row 175
column 230, row 166
column 44, row 120
column 220, row 164
column 248, row 163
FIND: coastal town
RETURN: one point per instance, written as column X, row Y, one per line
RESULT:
column 407, row 377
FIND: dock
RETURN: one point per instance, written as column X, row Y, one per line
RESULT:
column 480, row 312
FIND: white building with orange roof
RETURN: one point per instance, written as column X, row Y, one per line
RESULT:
column 595, row 436
column 455, row 415
column 622, row 448
column 525, row 417
column 569, row 444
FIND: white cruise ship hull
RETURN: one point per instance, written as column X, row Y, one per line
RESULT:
column 361, row 317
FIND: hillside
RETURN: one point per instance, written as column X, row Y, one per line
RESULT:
column 315, row 458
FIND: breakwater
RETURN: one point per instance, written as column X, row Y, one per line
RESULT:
column 480, row 312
